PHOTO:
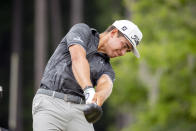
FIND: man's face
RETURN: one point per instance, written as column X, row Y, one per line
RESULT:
column 117, row 45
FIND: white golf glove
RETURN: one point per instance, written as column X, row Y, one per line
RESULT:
column 89, row 93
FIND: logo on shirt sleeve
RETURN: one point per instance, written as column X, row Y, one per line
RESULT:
column 78, row 39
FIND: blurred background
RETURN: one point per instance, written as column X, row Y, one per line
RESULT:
column 154, row 93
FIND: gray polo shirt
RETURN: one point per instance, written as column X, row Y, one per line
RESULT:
column 58, row 75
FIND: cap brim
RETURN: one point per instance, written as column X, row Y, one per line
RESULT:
column 135, row 51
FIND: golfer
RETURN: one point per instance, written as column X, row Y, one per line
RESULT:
column 81, row 62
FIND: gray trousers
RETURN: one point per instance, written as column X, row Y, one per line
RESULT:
column 54, row 114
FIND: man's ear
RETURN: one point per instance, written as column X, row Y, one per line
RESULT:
column 113, row 32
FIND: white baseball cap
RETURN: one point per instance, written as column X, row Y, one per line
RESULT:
column 131, row 32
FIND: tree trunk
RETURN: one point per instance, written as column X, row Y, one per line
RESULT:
column 151, row 81
column 127, row 9
column 56, row 22
column 76, row 11
column 15, row 101
column 191, row 65
column 40, row 40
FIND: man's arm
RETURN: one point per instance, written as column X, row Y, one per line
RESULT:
column 81, row 71
column 103, row 89
column 80, row 65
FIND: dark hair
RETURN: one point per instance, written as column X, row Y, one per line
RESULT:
column 111, row 27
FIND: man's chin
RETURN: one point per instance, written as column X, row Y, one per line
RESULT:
column 113, row 56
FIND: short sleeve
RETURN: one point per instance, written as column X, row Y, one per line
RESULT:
column 109, row 71
column 78, row 34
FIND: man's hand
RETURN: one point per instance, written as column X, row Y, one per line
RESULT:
column 98, row 98
column 92, row 111
column 89, row 93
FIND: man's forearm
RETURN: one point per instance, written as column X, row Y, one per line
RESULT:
column 81, row 72
column 103, row 89
column 80, row 65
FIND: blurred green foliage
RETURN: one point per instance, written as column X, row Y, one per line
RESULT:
column 169, row 30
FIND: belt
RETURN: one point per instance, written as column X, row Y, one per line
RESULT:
column 65, row 97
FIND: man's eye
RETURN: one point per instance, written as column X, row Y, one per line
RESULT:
column 128, row 50
column 128, row 47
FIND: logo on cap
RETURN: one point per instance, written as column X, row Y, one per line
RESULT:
column 136, row 39
column 124, row 28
